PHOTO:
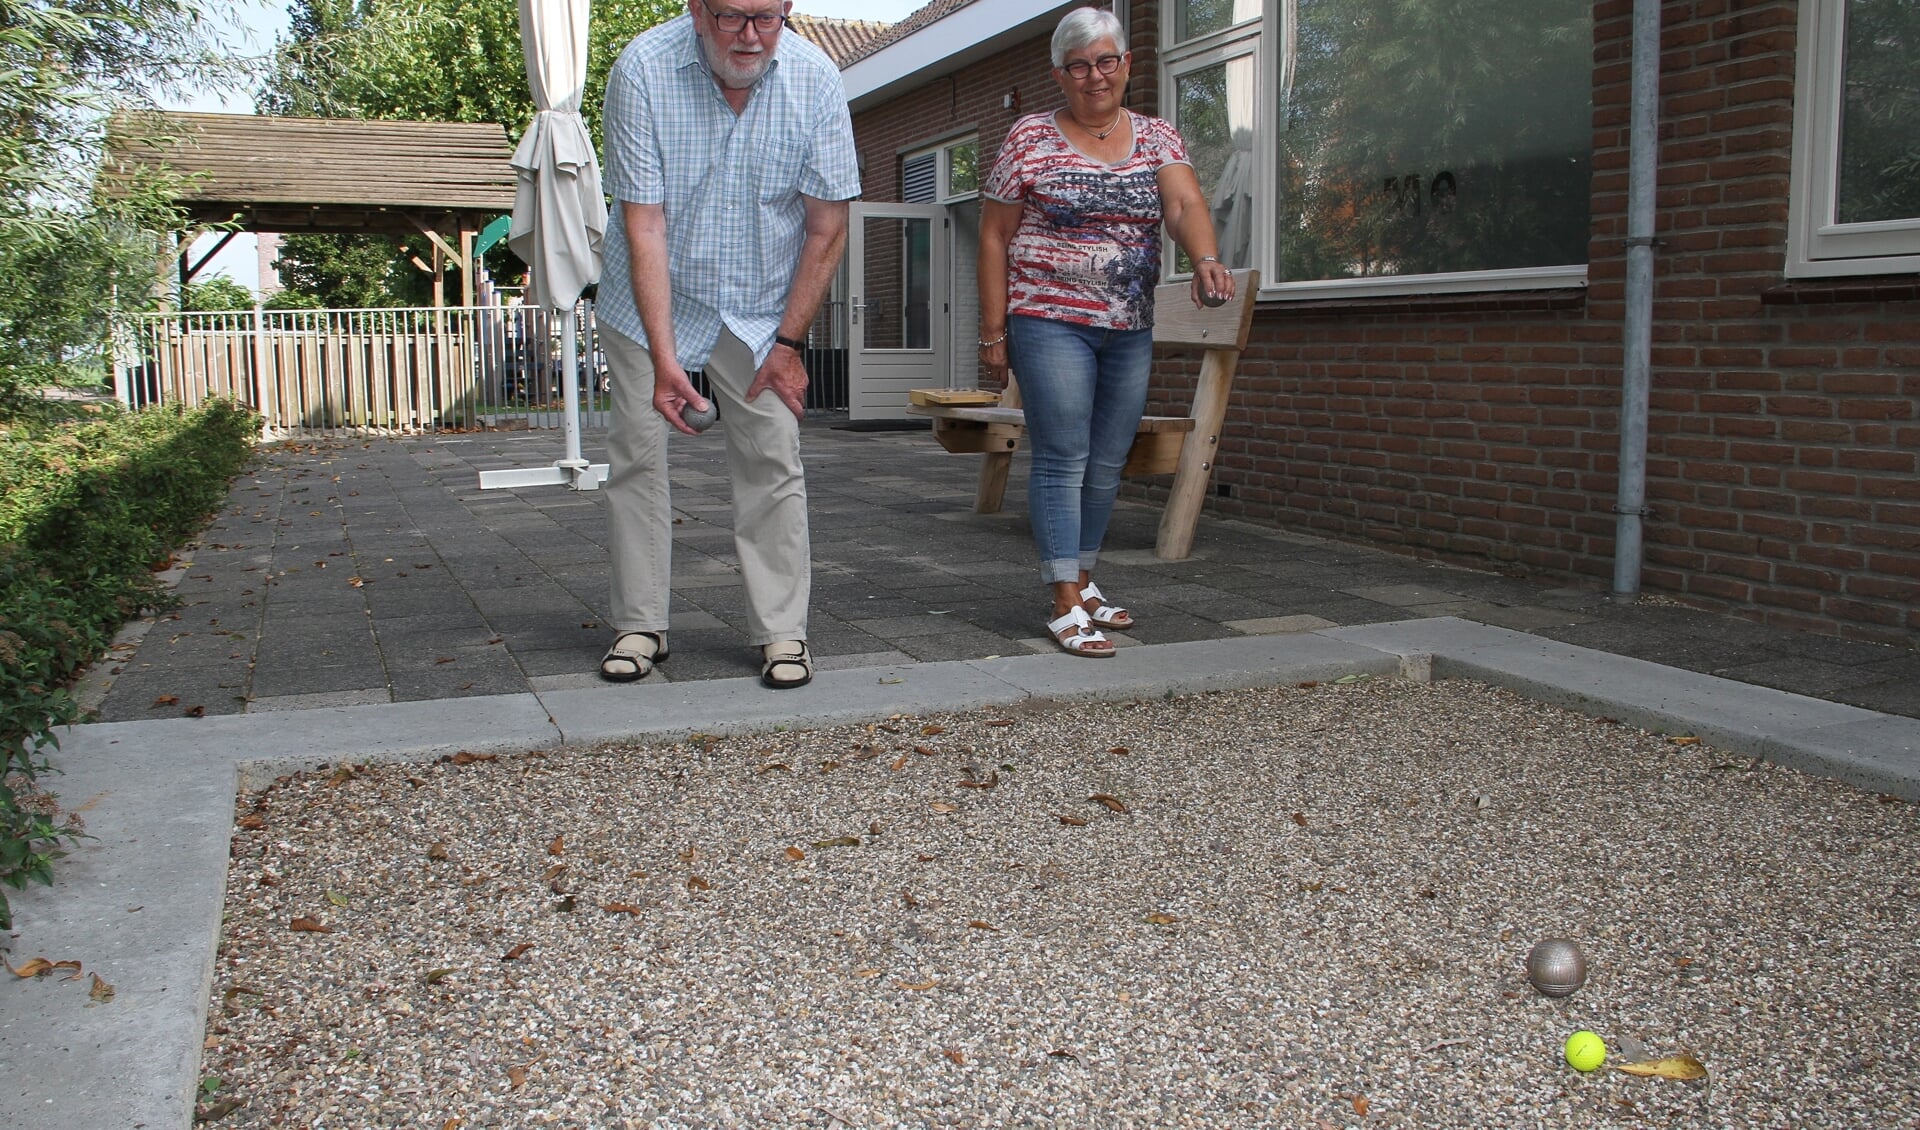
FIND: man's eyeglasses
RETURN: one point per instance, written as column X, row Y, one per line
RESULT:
column 733, row 23
column 1079, row 70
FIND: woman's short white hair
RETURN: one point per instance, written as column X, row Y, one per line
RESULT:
column 1084, row 27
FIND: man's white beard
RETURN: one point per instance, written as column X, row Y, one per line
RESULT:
column 726, row 66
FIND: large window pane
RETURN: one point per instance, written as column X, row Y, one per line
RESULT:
column 1880, row 119
column 1421, row 138
column 1214, row 113
column 1195, row 18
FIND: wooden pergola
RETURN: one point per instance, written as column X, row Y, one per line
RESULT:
column 243, row 172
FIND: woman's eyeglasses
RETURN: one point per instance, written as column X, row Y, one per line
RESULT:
column 766, row 23
column 1079, row 69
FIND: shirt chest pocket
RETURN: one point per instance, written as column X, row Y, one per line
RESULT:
column 776, row 169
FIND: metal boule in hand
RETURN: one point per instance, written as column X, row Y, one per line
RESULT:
column 700, row 419
column 1208, row 298
column 1556, row 967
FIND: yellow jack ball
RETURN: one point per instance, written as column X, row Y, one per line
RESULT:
column 1585, row 1051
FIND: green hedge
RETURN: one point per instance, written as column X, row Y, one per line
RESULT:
column 87, row 509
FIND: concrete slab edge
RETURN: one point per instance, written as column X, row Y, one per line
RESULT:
column 1864, row 748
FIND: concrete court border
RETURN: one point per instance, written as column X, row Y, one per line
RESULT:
column 141, row 903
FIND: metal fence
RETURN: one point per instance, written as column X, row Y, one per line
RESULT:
column 395, row 371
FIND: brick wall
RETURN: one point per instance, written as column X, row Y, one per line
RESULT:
column 1784, row 434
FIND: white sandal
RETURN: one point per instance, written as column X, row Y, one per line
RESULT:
column 638, row 650
column 1079, row 642
column 1107, row 615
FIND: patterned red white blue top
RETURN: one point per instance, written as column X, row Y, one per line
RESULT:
column 1087, row 250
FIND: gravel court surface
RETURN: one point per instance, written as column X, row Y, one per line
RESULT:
column 1314, row 911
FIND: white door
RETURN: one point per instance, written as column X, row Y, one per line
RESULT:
column 897, row 285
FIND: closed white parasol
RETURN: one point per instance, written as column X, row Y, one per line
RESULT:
column 559, row 213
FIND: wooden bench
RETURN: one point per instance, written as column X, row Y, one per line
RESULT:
column 1183, row 446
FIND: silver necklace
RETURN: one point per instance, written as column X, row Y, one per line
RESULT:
column 1101, row 135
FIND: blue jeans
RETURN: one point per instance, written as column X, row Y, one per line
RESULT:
column 1083, row 389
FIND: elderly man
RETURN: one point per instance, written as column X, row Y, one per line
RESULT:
column 730, row 157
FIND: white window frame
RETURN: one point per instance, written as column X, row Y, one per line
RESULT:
column 1267, row 36
column 1817, row 246
column 1216, row 50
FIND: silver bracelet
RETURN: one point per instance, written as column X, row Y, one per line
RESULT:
column 994, row 342
column 1209, row 259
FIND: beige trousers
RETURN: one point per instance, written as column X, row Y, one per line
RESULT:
column 769, row 494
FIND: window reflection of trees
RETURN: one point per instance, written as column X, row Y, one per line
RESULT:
column 1216, row 122
column 1879, row 143
column 1452, row 135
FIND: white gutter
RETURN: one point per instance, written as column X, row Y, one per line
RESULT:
column 944, row 46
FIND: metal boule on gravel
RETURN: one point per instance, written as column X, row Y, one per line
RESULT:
column 700, row 419
column 1556, row 967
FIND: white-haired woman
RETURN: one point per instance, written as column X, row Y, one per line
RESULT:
column 1069, row 258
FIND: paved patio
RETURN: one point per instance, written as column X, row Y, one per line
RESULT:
column 353, row 573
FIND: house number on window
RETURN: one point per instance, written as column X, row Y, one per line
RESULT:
column 1403, row 193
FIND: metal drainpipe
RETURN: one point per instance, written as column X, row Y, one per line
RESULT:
column 1637, row 335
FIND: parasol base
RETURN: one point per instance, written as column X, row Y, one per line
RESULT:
column 578, row 476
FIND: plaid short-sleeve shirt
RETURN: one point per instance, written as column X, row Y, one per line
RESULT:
column 731, row 183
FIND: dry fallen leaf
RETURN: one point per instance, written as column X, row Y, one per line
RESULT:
column 795, row 855
column 899, row 763
column 1162, row 918
column 923, row 751
column 866, row 974
column 1685, row 739
column 517, row 1076
column 943, row 807
column 1673, row 1067
column 1300, row 818
column 917, row 986
column 1074, row 821
column 1112, row 802
column 929, row 730
column 465, row 758
column 167, row 700
column 690, row 855
column 337, row 899
column 252, row 821
column 621, row 908
column 40, row 967
column 439, row 851
column 992, row 781
column 1119, row 749
column 838, row 841
column 435, row 976
column 516, row 952
column 558, row 846
column 976, row 924
column 999, row 721
column 774, row 767
column 954, row 1055
column 696, row 883
column 310, row 925
column 214, row 1112
column 1360, row 1105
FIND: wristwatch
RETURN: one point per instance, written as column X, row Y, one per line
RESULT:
column 796, row 346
